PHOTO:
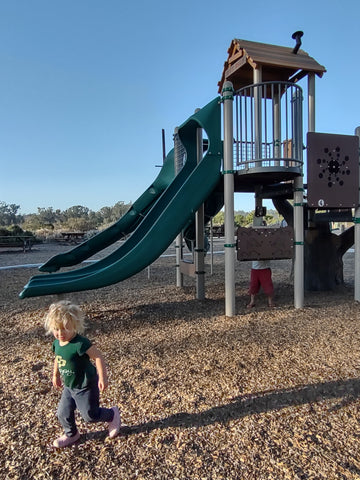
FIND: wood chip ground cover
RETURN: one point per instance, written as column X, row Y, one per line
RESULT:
column 267, row 394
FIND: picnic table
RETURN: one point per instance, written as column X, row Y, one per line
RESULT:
column 73, row 237
column 16, row 241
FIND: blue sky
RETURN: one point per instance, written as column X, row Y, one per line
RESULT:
column 88, row 85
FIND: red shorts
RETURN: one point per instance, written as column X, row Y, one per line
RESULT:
column 261, row 278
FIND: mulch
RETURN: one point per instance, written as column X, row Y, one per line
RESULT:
column 266, row 394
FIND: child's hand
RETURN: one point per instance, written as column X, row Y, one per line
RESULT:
column 103, row 384
column 56, row 381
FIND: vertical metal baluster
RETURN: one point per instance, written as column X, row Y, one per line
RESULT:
column 286, row 120
column 237, row 128
column 241, row 123
column 246, row 125
column 273, row 120
column 265, row 121
column 252, row 122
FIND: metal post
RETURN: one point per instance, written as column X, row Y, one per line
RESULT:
column 163, row 144
column 199, row 229
column 299, row 207
column 311, row 124
column 297, row 121
column 257, row 114
column 299, row 242
column 277, row 125
column 357, row 243
column 179, row 238
column 228, row 99
column 311, row 102
column 257, row 76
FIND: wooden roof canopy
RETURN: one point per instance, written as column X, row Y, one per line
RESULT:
column 278, row 63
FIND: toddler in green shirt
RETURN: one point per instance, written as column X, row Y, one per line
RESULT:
column 80, row 368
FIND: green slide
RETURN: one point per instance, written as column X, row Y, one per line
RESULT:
column 121, row 228
column 170, row 214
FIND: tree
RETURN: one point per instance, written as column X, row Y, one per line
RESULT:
column 77, row 211
column 106, row 214
column 119, row 210
column 323, row 250
column 32, row 222
column 240, row 220
column 219, row 218
column 249, row 219
column 8, row 214
column 273, row 217
column 48, row 217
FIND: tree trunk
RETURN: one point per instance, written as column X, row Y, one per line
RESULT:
column 323, row 251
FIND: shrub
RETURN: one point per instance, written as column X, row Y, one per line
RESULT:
column 16, row 230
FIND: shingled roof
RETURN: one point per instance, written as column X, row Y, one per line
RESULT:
column 278, row 63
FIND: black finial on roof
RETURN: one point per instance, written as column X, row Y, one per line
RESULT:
column 297, row 36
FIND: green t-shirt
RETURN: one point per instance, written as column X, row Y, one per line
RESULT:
column 74, row 364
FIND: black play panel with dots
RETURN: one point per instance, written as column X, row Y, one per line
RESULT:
column 332, row 170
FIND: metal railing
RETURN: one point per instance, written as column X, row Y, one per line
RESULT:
column 268, row 126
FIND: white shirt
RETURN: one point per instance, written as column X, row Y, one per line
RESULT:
column 260, row 264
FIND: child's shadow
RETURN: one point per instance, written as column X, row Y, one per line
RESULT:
column 347, row 391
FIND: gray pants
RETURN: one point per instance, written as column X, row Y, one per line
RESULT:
column 86, row 400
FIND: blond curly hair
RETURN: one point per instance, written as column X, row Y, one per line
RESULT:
column 67, row 314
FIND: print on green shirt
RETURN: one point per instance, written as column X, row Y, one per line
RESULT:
column 75, row 366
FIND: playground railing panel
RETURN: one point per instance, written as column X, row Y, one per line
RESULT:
column 268, row 126
column 265, row 243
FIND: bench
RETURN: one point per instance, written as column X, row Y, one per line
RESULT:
column 23, row 242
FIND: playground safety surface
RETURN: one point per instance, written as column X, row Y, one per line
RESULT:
column 268, row 394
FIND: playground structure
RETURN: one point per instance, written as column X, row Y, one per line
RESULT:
column 262, row 152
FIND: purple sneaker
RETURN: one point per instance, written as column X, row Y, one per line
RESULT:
column 114, row 425
column 66, row 441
